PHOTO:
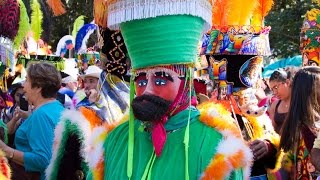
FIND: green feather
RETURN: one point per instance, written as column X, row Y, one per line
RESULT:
column 78, row 23
column 24, row 25
column 36, row 19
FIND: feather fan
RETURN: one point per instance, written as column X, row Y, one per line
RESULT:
column 83, row 36
column 24, row 25
column 57, row 7
column 247, row 11
column 36, row 19
column 261, row 12
column 78, row 23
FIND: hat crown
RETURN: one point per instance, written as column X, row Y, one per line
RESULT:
column 93, row 71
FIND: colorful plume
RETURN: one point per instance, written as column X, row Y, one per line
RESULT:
column 247, row 11
column 100, row 12
column 83, row 36
column 218, row 13
column 36, row 19
column 9, row 18
column 262, row 10
column 24, row 25
column 64, row 44
column 78, row 23
column 56, row 6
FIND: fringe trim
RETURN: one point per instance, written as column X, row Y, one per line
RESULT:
column 123, row 10
column 172, row 70
column 232, row 153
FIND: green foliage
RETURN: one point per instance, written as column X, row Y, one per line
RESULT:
column 286, row 19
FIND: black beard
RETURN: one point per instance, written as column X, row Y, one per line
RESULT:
column 150, row 108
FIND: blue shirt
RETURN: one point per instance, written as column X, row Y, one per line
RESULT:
column 35, row 137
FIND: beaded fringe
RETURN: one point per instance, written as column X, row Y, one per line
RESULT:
column 123, row 10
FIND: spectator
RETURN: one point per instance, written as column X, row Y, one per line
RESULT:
column 299, row 130
column 34, row 138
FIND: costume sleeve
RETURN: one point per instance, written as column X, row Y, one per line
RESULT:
column 236, row 174
column 40, row 136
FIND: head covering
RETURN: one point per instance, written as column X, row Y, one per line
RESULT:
column 92, row 71
column 309, row 38
column 160, row 35
column 66, row 78
column 114, row 53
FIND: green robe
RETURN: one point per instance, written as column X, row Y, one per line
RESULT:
column 171, row 163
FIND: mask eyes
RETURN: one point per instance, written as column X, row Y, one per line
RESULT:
column 142, row 82
column 160, row 82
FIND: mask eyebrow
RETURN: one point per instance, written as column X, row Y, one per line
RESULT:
column 139, row 75
column 163, row 74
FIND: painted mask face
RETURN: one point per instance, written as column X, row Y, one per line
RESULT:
column 155, row 93
column 160, row 84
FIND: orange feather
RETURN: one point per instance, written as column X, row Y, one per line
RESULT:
column 100, row 12
column 217, row 168
column 218, row 8
column 57, row 7
column 261, row 11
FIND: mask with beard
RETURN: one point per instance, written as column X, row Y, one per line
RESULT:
column 150, row 108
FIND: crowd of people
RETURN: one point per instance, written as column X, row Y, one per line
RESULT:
column 137, row 112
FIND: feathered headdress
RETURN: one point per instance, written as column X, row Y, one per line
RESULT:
column 57, row 7
column 24, row 25
column 78, row 23
column 36, row 19
column 64, row 44
column 9, row 19
column 83, row 36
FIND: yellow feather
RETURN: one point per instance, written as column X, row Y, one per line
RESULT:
column 261, row 12
column 233, row 12
column 247, row 11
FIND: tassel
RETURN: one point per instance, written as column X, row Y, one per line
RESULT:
column 57, row 7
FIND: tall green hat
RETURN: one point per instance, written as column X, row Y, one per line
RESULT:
column 160, row 32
